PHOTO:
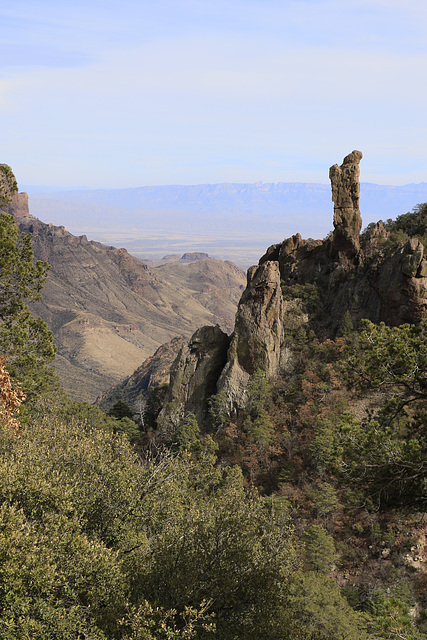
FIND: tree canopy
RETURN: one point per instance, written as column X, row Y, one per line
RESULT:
column 386, row 453
column 25, row 340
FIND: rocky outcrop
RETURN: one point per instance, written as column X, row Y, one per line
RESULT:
column 195, row 372
column 402, row 285
column 258, row 342
column 12, row 202
column 18, row 207
column 345, row 195
column 316, row 282
column 258, row 333
column 258, row 338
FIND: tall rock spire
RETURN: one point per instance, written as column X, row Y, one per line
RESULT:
column 345, row 195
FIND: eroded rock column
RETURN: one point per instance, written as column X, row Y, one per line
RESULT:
column 345, row 195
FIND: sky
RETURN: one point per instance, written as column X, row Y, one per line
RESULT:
column 127, row 93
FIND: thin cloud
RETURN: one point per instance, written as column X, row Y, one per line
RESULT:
column 202, row 92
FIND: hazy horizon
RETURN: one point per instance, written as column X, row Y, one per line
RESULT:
column 230, row 221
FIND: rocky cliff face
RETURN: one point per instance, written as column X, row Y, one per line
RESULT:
column 313, row 283
column 258, row 337
column 11, row 201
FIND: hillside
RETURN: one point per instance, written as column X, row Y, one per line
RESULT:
column 109, row 311
column 275, row 489
column 319, row 396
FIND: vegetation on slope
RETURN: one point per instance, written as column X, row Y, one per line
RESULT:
column 299, row 517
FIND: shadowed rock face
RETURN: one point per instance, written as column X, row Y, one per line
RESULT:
column 345, row 195
column 195, row 372
column 154, row 371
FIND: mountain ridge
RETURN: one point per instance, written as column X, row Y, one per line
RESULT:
column 244, row 194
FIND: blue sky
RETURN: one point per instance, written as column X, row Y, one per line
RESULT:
column 136, row 92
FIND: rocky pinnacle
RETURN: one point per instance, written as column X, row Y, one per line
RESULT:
column 345, row 195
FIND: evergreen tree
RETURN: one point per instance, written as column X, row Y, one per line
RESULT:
column 385, row 455
column 259, row 392
column 187, row 436
column 120, row 410
column 347, row 327
column 25, row 340
column 319, row 549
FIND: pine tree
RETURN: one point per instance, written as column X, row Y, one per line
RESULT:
column 25, row 340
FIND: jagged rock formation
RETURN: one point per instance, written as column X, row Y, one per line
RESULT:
column 345, row 195
column 258, row 337
column 108, row 310
column 314, row 283
column 195, row 372
column 384, row 285
column 258, row 341
column 360, row 274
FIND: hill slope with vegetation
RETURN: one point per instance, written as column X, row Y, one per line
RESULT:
column 296, row 514
column 323, row 409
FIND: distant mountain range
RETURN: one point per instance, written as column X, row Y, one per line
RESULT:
column 229, row 221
